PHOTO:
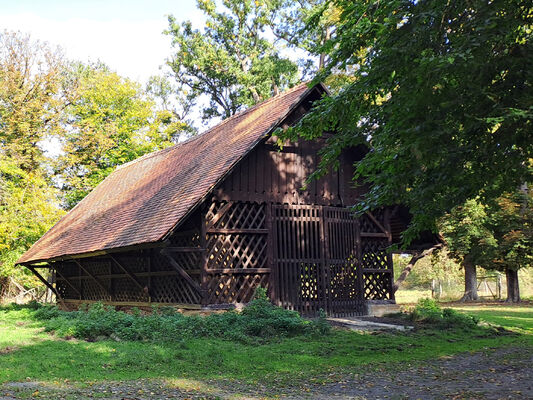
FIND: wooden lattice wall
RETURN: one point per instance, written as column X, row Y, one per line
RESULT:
column 310, row 257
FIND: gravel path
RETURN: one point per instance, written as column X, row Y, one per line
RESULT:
column 505, row 373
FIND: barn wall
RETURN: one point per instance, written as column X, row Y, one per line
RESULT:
column 269, row 174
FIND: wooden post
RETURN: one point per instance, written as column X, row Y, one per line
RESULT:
column 324, row 249
column 271, row 238
column 359, row 269
column 203, row 260
column 390, row 263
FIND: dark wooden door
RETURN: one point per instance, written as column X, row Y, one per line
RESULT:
column 316, row 260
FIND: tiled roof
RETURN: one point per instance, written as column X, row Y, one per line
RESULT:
column 141, row 201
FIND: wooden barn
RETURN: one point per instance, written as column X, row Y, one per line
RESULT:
column 207, row 221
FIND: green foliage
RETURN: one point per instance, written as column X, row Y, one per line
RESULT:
column 467, row 234
column 428, row 312
column 442, row 95
column 231, row 60
column 495, row 236
column 259, row 321
column 30, row 99
column 111, row 121
column 27, row 351
column 511, row 221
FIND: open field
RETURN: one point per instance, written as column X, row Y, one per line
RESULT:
column 34, row 363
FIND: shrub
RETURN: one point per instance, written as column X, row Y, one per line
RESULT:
column 260, row 320
column 428, row 311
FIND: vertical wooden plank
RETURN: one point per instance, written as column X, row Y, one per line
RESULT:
column 260, row 175
column 271, row 243
column 80, row 282
column 203, row 259
column 359, row 270
column 390, row 264
column 324, row 258
column 149, row 277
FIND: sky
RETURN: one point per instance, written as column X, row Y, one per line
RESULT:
column 124, row 34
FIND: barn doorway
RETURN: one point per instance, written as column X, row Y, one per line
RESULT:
column 326, row 259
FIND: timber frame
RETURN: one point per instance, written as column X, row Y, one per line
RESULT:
column 260, row 225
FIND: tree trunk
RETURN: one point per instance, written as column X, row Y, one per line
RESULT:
column 513, row 289
column 470, row 282
column 407, row 270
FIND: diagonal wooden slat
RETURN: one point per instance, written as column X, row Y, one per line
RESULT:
column 182, row 272
column 94, row 278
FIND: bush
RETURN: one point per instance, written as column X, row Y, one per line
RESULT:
column 260, row 320
column 428, row 311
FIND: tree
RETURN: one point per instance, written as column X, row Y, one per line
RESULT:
column 110, row 121
column 28, row 208
column 442, row 96
column 30, row 98
column 469, row 240
column 31, row 104
column 511, row 221
column 232, row 61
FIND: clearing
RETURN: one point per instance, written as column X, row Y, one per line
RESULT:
column 425, row 364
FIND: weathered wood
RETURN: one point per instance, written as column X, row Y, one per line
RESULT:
column 68, row 282
column 185, row 249
column 204, row 280
column 94, row 278
column 231, row 271
column 130, row 274
column 135, row 304
column 378, row 224
column 43, row 280
column 182, row 272
column 229, row 231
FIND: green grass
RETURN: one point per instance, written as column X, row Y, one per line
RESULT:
column 516, row 318
column 26, row 351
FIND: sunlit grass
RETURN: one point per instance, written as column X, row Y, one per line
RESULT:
column 27, row 352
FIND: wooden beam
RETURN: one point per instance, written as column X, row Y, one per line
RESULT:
column 380, row 226
column 229, row 271
column 185, row 249
column 182, row 272
column 220, row 213
column 234, row 231
column 68, row 282
column 136, row 304
column 130, row 274
column 94, row 278
column 46, row 283
column 374, row 234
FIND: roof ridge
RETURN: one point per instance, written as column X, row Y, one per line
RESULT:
column 221, row 123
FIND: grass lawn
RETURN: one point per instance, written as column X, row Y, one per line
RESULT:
column 28, row 353
column 513, row 317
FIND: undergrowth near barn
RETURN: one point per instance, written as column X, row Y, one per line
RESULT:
column 259, row 321
column 271, row 357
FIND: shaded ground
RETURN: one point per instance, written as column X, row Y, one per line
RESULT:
column 504, row 373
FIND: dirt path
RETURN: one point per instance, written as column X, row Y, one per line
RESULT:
column 505, row 373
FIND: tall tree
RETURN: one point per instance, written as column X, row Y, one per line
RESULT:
column 468, row 239
column 511, row 221
column 110, row 121
column 31, row 104
column 442, row 95
column 231, row 60
column 30, row 97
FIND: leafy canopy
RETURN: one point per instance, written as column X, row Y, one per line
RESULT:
column 231, row 60
column 442, row 95
column 111, row 121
